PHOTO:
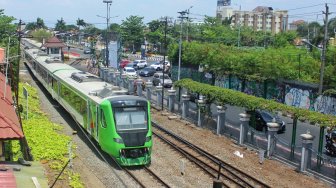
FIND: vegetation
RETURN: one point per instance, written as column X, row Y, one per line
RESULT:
column 222, row 96
column 44, row 138
column 251, row 64
column 41, row 34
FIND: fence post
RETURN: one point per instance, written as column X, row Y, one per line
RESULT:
column 201, row 104
column 139, row 87
column 293, row 136
column 320, row 148
column 185, row 105
column 172, row 95
column 244, row 120
column 221, row 119
column 272, row 128
column 131, row 86
column 106, row 72
column 158, row 95
column 149, row 86
column 123, row 80
column 307, row 144
column 117, row 77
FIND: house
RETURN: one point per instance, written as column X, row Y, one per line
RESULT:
column 54, row 47
column 9, row 121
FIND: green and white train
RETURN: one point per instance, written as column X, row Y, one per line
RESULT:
column 120, row 123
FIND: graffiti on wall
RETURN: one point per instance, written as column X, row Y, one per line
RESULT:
column 275, row 92
column 254, row 88
column 298, row 98
column 325, row 105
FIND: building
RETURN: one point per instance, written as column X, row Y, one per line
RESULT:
column 54, row 47
column 294, row 25
column 9, row 122
column 260, row 19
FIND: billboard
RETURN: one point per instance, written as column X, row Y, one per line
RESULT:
column 223, row 2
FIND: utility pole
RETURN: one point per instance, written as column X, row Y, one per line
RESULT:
column 188, row 12
column 182, row 17
column 18, row 63
column 164, row 59
column 108, row 3
column 323, row 55
column 239, row 26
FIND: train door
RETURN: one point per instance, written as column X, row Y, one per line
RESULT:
column 97, row 116
column 89, row 117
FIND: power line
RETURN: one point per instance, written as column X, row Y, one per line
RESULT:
column 306, row 7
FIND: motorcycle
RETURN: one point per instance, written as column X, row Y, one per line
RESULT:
column 331, row 144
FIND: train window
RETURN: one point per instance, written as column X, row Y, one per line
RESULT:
column 103, row 121
column 130, row 118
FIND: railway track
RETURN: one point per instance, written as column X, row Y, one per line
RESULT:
column 141, row 173
column 210, row 164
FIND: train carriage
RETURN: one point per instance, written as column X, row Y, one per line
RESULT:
column 120, row 123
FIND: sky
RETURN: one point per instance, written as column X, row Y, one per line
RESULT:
column 70, row 10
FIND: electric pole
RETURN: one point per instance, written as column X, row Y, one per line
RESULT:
column 323, row 55
column 18, row 63
column 108, row 3
column 188, row 19
column 182, row 17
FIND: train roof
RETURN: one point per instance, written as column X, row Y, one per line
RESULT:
column 86, row 83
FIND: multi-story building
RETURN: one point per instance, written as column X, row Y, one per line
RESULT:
column 260, row 19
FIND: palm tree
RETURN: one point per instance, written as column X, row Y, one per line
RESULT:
column 40, row 23
column 60, row 25
column 80, row 22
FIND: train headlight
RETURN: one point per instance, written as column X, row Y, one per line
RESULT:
column 148, row 138
column 118, row 140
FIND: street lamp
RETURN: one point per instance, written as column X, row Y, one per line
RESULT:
column 108, row 3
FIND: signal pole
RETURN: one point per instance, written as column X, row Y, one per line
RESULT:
column 323, row 55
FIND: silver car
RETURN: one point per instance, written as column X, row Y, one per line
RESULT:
column 158, row 79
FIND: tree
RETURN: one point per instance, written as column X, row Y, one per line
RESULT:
column 60, row 25
column 41, row 34
column 6, row 27
column 40, row 24
column 133, row 31
column 80, row 23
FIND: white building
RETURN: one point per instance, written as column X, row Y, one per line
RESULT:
column 260, row 19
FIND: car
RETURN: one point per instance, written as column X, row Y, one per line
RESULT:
column 130, row 72
column 147, row 71
column 158, row 79
column 87, row 51
column 140, row 63
column 131, row 65
column 157, row 66
column 123, row 63
column 263, row 117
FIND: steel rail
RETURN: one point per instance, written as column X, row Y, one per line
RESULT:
column 215, row 159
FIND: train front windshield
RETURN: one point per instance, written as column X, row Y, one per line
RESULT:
column 131, row 118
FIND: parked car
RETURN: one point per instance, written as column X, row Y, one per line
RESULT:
column 131, row 65
column 148, row 71
column 140, row 63
column 130, row 72
column 157, row 66
column 87, row 51
column 263, row 117
column 158, row 79
column 123, row 63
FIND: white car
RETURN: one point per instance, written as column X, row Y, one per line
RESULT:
column 157, row 66
column 130, row 72
column 141, row 63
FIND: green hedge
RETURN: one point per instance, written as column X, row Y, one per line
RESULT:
column 223, row 96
